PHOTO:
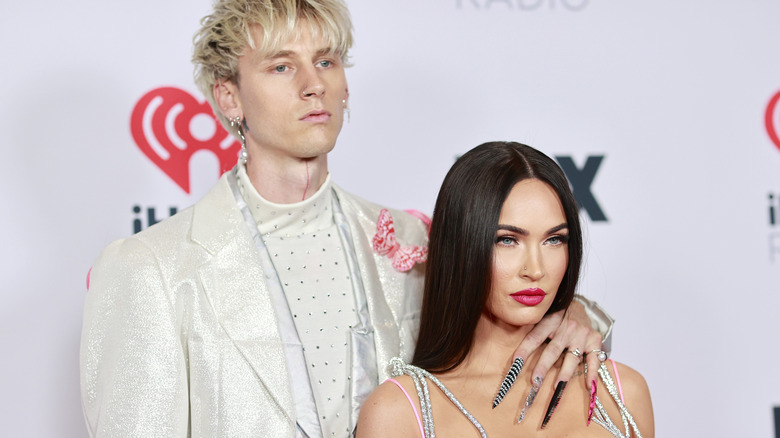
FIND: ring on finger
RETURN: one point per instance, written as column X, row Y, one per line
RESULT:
column 601, row 354
column 577, row 353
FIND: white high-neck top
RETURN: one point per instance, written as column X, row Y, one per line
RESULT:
column 305, row 247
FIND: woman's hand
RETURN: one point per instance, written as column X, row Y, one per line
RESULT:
column 569, row 334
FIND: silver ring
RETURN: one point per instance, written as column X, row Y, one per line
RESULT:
column 602, row 355
column 577, row 353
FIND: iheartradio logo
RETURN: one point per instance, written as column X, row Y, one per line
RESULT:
column 169, row 125
column 772, row 119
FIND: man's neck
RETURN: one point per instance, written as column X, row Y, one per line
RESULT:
column 287, row 181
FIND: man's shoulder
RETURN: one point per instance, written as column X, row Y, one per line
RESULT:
column 173, row 235
column 412, row 226
column 173, row 227
column 147, row 246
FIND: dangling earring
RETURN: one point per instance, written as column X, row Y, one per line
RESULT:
column 235, row 123
column 346, row 108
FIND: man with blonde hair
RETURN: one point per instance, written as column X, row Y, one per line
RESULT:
column 271, row 306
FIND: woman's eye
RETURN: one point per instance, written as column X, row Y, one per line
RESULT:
column 557, row 240
column 506, row 241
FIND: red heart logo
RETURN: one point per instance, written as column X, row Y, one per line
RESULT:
column 169, row 125
column 773, row 123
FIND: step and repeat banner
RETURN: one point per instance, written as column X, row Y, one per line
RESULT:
column 665, row 115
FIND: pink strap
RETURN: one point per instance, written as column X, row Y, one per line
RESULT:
column 617, row 378
column 414, row 408
column 422, row 216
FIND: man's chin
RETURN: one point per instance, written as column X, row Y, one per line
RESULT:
column 317, row 148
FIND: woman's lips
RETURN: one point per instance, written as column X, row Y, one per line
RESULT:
column 529, row 297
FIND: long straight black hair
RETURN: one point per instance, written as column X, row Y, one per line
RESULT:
column 458, row 272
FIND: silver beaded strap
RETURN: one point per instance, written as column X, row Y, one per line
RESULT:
column 601, row 417
column 421, row 377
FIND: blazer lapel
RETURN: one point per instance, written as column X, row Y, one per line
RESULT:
column 380, row 282
column 234, row 284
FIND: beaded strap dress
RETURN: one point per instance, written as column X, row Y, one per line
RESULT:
column 421, row 378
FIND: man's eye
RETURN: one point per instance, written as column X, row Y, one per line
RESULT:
column 326, row 63
column 281, row 68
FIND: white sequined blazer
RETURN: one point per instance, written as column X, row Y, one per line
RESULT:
column 180, row 338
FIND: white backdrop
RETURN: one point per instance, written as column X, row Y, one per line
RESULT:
column 672, row 94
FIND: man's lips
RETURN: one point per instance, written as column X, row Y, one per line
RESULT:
column 316, row 116
column 529, row 297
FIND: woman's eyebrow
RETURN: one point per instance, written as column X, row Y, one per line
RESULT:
column 558, row 228
column 524, row 232
column 513, row 229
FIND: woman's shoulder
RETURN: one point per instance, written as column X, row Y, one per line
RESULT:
column 389, row 392
column 635, row 393
column 390, row 408
column 632, row 382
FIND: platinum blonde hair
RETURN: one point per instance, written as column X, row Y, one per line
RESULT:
column 226, row 33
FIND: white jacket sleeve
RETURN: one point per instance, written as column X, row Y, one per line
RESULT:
column 133, row 360
column 599, row 320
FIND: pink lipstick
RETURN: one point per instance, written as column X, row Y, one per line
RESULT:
column 529, row 297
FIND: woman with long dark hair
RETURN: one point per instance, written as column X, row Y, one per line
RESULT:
column 505, row 250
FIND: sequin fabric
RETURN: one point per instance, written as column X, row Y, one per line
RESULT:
column 180, row 338
column 421, row 377
column 305, row 249
column 176, row 335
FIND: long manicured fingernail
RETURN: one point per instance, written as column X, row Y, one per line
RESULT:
column 537, row 383
column 509, row 380
column 592, row 400
column 556, row 398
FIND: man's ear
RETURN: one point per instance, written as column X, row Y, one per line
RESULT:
column 226, row 96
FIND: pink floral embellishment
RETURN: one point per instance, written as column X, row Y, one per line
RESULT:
column 384, row 243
